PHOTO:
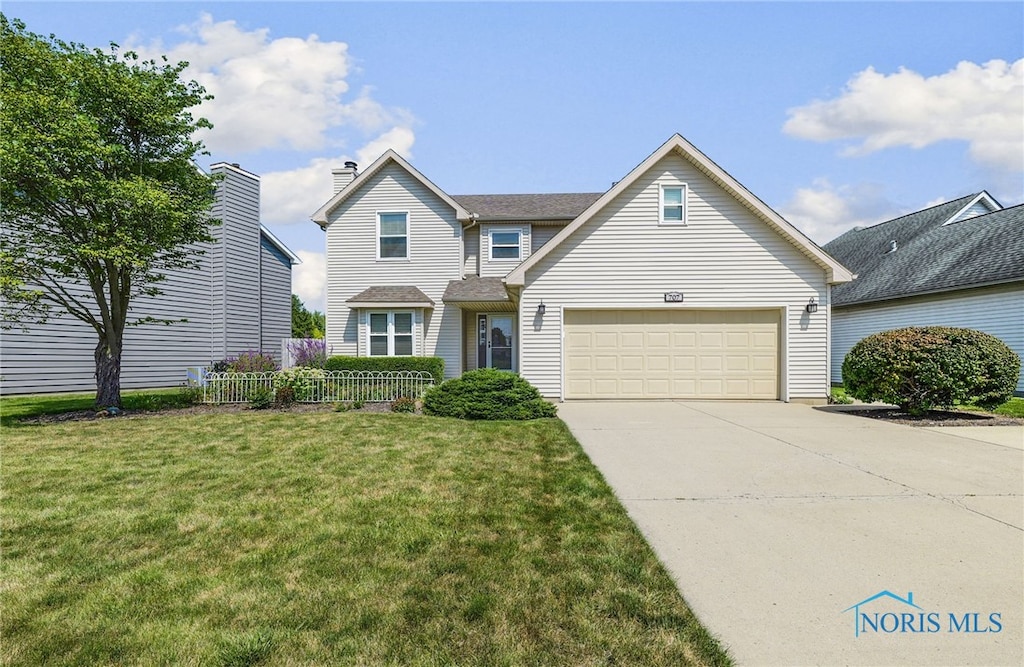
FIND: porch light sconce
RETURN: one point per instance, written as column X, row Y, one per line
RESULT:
column 541, row 309
column 812, row 306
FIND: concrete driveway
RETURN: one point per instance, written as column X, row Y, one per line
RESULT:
column 776, row 518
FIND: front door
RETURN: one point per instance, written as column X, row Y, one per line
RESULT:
column 498, row 338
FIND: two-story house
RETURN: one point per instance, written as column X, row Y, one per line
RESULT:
column 677, row 282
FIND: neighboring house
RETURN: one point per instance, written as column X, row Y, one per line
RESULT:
column 237, row 299
column 675, row 283
column 957, row 264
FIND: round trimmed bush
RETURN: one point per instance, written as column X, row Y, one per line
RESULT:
column 487, row 394
column 922, row 368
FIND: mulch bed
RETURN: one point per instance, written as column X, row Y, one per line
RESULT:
column 935, row 417
column 92, row 415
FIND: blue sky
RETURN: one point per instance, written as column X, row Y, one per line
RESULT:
column 835, row 114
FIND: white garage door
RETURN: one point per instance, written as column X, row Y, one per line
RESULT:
column 672, row 354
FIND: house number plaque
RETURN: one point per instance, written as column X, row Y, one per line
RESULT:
column 673, row 297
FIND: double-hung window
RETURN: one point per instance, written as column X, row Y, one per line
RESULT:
column 393, row 235
column 391, row 334
column 672, row 204
column 506, row 245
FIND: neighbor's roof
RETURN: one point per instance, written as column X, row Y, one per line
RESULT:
column 930, row 255
column 390, row 295
column 560, row 206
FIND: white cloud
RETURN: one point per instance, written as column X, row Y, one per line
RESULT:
column 980, row 104
column 289, row 197
column 272, row 93
column 824, row 211
column 309, row 279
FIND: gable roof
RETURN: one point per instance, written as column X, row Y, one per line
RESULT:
column 931, row 255
column 835, row 272
column 392, row 296
column 560, row 206
column 389, row 157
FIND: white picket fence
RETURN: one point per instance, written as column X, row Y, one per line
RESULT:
column 322, row 387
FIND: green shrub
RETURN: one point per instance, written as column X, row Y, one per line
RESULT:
column 284, row 396
column 306, row 383
column 921, row 368
column 190, row 394
column 403, row 404
column 432, row 365
column 261, row 398
column 487, row 394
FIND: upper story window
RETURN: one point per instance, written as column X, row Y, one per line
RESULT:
column 393, row 235
column 672, row 204
column 391, row 334
column 506, row 245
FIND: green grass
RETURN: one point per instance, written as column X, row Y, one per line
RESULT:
column 325, row 538
column 13, row 408
column 1012, row 408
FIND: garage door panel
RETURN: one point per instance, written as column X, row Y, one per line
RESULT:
column 672, row 354
column 737, row 363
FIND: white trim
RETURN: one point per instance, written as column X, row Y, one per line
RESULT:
column 684, row 188
column 276, row 242
column 784, row 353
column 390, row 332
column 519, row 244
column 990, row 203
column 515, row 332
column 834, row 271
column 408, row 236
column 561, row 354
column 389, row 156
column 828, row 340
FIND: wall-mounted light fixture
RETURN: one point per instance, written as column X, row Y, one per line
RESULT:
column 541, row 309
column 812, row 306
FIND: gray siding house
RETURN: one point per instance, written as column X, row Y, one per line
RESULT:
column 957, row 264
column 675, row 283
column 238, row 298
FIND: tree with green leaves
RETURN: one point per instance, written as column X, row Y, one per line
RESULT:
column 99, row 189
column 306, row 324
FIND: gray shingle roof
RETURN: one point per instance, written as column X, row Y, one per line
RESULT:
column 528, row 207
column 391, row 294
column 474, row 289
column 930, row 257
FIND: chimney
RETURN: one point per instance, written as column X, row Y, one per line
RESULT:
column 344, row 176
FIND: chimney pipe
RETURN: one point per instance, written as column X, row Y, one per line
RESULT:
column 344, row 175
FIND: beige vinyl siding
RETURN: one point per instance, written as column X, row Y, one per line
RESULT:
column 724, row 257
column 471, row 243
column 500, row 267
column 469, row 358
column 434, row 259
column 543, row 234
column 997, row 310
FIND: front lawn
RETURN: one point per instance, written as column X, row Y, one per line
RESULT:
column 325, row 538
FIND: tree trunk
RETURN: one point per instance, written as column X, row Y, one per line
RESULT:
column 108, row 376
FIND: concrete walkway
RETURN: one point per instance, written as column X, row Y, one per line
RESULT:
column 775, row 518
